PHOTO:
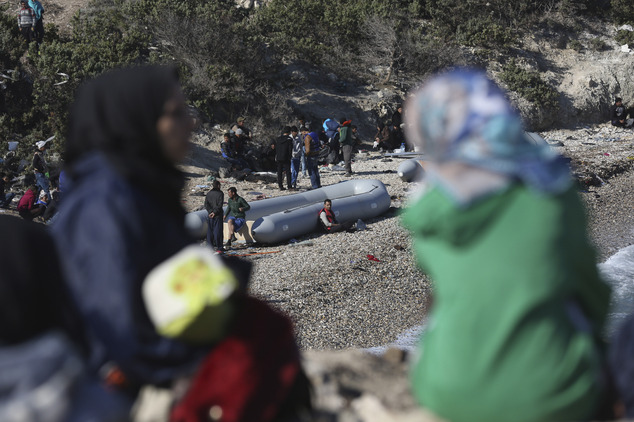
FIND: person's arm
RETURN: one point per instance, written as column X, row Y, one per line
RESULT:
column 324, row 219
column 307, row 144
column 208, row 205
column 244, row 206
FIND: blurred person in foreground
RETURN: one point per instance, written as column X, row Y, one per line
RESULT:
column 44, row 377
column 120, row 220
column 514, row 330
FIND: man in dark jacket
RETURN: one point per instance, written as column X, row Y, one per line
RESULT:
column 283, row 147
column 619, row 113
column 213, row 204
column 397, row 116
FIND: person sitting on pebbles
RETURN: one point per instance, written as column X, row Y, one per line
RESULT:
column 328, row 222
column 236, row 208
column 619, row 114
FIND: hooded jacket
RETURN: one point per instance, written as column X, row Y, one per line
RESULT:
column 518, row 307
column 283, row 149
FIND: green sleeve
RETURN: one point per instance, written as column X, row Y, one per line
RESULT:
column 244, row 204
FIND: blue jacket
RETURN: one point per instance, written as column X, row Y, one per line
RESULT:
column 110, row 234
column 37, row 8
column 330, row 127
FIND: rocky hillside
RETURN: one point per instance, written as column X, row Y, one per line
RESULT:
column 586, row 66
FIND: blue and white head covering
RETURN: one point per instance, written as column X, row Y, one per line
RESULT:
column 474, row 141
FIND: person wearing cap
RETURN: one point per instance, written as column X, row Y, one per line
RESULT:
column 240, row 125
column 283, row 147
column 345, row 138
column 40, row 167
column 519, row 307
column 26, row 21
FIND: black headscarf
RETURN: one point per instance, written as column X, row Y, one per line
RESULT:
column 116, row 114
column 33, row 296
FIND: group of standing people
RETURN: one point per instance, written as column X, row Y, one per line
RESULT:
column 30, row 20
column 300, row 149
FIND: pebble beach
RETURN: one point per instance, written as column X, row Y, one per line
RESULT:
column 340, row 299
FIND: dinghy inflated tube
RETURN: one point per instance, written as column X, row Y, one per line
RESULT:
column 411, row 170
column 284, row 217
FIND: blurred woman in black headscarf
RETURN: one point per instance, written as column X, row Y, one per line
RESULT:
column 122, row 216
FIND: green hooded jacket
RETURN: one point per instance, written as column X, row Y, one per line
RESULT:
column 518, row 308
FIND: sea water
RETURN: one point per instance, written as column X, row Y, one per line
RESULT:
column 617, row 271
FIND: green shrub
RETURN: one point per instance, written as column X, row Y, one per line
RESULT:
column 623, row 11
column 624, row 37
column 575, row 45
column 529, row 85
column 598, row 44
column 484, row 32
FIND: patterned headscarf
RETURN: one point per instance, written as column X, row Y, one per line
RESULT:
column 474, row 141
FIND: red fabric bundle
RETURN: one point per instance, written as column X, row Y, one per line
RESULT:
column 249, row 374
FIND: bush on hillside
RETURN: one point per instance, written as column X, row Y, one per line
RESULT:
column 623, row 11
column 529, row 85
column 625, row 37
